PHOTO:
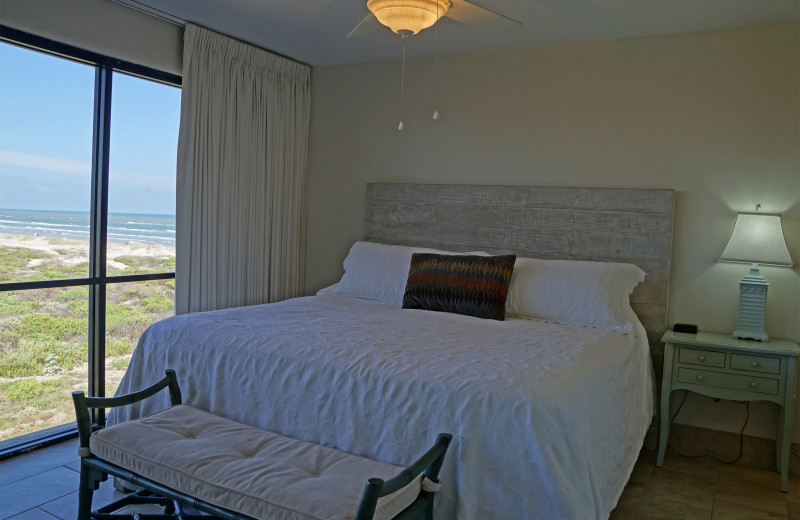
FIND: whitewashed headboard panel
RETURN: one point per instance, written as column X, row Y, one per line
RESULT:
column 602, row 224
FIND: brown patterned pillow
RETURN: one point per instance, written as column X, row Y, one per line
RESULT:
column 462, row 284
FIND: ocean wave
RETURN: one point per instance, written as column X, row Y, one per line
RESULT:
column 160, row 224
column 135, row 229
column 45, row 230
column 155, row 229
column 129, row 236
column 51, row 232
column 33, row 223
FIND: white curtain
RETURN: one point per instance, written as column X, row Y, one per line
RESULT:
column 242, row 168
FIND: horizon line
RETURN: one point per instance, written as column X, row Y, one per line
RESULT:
column 88, row 212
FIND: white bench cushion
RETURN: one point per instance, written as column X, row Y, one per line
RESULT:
column 246, row 469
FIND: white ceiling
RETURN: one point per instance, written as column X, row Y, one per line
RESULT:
column 314, row 31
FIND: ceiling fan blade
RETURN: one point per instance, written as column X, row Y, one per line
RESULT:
column 477, row 16
column 368, row 25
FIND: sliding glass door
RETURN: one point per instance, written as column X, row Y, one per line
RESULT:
column 141, row 214
column 87, row 225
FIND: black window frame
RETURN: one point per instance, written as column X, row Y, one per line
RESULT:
column 97, row 280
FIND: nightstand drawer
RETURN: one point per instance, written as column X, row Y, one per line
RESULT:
column 756, row 363
column 732, row 381
column 701, row 357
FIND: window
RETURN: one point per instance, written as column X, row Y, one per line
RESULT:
column 88, row 148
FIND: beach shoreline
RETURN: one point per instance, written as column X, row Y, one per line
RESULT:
column 121, row 227
column 70, row 252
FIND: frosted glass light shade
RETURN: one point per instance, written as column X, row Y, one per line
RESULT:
column 408, row 16
column 757, row 238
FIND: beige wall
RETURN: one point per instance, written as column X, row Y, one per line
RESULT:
column 100, row 26
column 713, row 115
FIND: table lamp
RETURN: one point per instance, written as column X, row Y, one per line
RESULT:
column 756, row 238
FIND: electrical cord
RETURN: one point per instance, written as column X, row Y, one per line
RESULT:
column 741, row 434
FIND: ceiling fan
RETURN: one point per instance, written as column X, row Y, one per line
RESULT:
column 407, row 17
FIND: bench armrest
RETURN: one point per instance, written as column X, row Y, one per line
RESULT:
column 430, row 463
column 83, row 403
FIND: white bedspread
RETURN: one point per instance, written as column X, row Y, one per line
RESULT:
column 547, row 419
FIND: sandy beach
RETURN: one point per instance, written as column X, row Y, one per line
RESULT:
column 70, row 252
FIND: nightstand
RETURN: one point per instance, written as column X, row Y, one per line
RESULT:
column 717, row 365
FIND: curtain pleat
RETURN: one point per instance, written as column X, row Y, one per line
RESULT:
column 242, row 169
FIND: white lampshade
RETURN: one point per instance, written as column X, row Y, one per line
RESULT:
column 408, row 16
column 757, row 238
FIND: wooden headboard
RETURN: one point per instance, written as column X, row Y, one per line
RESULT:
column 602, row 224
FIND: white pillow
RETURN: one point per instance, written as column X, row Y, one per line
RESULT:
column 575, row 292
column 378, row 271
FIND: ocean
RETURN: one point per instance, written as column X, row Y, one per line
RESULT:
column 122, row 227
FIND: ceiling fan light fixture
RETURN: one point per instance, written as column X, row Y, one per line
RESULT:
column 408, row 16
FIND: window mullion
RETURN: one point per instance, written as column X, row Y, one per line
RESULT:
column 98, row 233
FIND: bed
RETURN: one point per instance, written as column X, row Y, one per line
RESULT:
column 548, row 412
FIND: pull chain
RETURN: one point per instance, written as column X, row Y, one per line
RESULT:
column 402, row 84
column 436, row 67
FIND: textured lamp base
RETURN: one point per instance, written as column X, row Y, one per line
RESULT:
column 752, row 306
column 751, row 334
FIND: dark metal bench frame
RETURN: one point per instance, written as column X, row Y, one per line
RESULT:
column 95, row 470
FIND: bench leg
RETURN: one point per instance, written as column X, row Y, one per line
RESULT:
column 429, row 509
column 89, row 481
column 84, row 498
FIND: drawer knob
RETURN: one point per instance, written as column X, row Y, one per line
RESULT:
column 755, row 364
column 699, row 378
column 753, row 384
column 701, row 357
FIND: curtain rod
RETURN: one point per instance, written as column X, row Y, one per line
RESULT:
column 180, row 22
column 152, row 11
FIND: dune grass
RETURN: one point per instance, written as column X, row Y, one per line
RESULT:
column 44, row 334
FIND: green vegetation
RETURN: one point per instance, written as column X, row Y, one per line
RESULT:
column 49, row 326
column 11, row 304
column 121, row 363
column 13, row 259
column 130, row 294
column 157, row 303
column 48, row 269
column 16, row 364
column 59, row 241
column 73, row 293
column 143, row 264
column 31, row 389
column 79, row 307
column 120, row 347
column 52, row 270
column 44, row 332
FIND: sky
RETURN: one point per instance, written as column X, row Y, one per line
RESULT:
column 46, row 108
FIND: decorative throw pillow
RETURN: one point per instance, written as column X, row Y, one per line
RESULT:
column 379, row 271
column 463, row 284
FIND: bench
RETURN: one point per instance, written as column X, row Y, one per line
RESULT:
column 185, row 455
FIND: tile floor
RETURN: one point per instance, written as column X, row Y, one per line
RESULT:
column 704, row 489
column 41, row 486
